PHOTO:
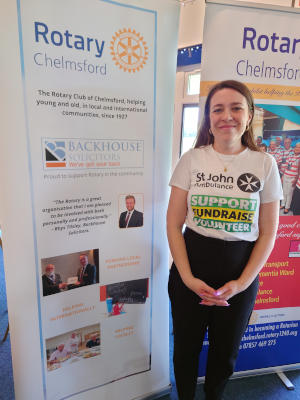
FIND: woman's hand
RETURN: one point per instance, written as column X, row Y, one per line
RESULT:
column 176, row 215
column 208, row 294
column 229, row 290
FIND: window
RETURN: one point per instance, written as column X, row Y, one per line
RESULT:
column 193, row 83
column 189, row 126
column 186, row 110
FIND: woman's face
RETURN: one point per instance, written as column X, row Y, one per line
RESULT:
column 229, row 116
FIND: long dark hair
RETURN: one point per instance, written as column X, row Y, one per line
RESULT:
column 204, row 138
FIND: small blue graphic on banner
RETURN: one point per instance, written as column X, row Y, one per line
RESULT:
column 55, row 154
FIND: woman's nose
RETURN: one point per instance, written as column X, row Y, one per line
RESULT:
column 227, row 115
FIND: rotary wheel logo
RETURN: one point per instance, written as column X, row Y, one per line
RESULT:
column 248, row 183
column 129, row 50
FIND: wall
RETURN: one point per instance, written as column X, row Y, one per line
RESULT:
column 191, row 23
column 192, row 19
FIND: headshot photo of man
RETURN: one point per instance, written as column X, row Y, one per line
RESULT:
column 131, row 218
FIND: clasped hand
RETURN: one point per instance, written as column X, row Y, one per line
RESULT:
column 214, row 297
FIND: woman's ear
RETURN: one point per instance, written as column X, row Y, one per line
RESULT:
column 250, row 118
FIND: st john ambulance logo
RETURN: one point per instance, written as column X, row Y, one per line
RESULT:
column 55, row 153
column 248, row 183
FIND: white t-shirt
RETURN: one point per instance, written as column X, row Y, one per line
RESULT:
column 71, row 344
column 225, row 205
column 58, row 355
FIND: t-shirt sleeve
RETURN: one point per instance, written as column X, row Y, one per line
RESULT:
column 53, row 356
column 181, row 177
column 272, row 189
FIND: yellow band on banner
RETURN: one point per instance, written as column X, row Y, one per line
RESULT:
column 261, row 91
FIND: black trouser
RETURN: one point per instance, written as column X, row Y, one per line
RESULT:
column 215, row 262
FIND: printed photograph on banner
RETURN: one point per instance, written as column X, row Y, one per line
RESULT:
column 277, row 132
column 131, row 210
column 294, row 250
column 72, row 347
column 122, row 297
column 69, row 271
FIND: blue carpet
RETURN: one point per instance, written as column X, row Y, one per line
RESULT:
column 263, row 387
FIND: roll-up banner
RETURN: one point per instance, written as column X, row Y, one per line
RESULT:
column 259, row 45
column 87, row 101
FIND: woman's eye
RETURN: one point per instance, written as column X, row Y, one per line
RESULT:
column 237, row 108
column 216, row 110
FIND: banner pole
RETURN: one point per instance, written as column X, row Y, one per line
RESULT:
column 284, row 379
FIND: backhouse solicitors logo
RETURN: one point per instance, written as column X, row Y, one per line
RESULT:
column 55, row 154
column 129, row 50
column 74, row 153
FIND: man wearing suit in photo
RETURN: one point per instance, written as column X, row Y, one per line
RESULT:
column 86, row 274
column 52, row 282
column 130, row 218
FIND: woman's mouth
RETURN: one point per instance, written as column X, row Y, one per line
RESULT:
column 227, row 126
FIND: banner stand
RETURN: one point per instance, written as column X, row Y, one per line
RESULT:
column 263, row 53
column 85, row 150
column 284, row 379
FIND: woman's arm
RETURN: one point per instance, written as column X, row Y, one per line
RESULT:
column 268, row 223
column 176, row 215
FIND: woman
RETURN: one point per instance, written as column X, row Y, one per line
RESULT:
column 227, row 194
